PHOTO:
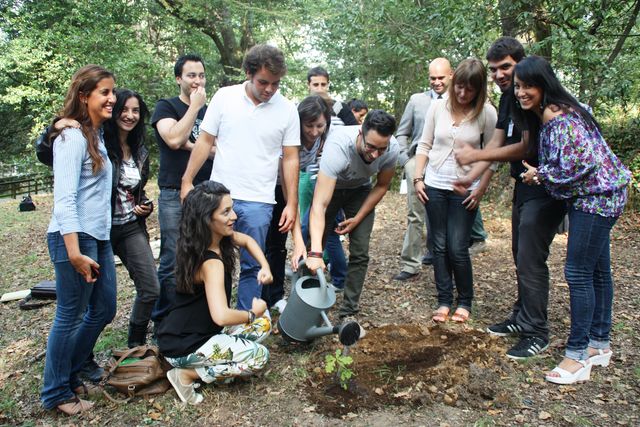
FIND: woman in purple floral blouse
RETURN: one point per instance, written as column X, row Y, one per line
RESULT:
column 576, row 165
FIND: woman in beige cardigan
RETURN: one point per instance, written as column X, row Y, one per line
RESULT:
column 463, row 118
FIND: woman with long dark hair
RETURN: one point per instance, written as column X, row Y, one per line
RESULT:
column 78, row 238
column 576, row 165
column 464, row 118
column 202, row 337
column 124, row 136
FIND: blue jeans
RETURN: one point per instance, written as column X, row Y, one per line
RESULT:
column 254, row 219
column 334, row 250
column 451, row 230
column 588, row 273
column 83, row 310
column 169, row 214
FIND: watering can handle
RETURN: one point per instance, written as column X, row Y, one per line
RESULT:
column 319, row 273
column 322, row 279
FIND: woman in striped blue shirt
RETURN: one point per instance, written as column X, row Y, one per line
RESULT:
column 78, row 238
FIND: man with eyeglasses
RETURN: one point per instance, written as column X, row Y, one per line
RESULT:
column 351, row 156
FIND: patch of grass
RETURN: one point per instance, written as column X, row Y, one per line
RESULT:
column 484, row 422
column 111, row 338
column 618, row 326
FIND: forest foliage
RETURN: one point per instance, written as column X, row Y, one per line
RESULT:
column 375, row 50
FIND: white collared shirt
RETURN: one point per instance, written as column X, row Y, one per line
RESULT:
column 249, row 141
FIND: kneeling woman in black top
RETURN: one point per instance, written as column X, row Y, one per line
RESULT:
column 202, row 337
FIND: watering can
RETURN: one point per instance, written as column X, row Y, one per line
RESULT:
column 304, row 317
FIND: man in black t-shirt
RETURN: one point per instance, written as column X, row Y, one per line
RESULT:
column 176, row 122
column 535, row 215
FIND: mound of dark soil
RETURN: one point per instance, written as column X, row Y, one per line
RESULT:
column 415, row 365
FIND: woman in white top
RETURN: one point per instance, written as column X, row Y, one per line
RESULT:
column 463, row 118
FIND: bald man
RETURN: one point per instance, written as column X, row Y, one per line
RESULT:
column 408, row 135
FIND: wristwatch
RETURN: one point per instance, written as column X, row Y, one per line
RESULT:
column 252, row 316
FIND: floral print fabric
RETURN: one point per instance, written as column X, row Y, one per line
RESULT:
column 576, row 164
column 234, row 352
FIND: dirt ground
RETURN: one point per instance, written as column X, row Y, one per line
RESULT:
column 407, row 371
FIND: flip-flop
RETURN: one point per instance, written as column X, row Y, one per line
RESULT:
column 441, row 314
column 461, row 315
column 74, row 406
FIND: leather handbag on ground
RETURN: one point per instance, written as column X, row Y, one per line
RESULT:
column 44, row 293
column 138, row 371
column 44, row 290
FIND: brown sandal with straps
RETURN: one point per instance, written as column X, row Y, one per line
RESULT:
column 441, row 314
column 74, row 406
column 86, row 390
column 461, row 315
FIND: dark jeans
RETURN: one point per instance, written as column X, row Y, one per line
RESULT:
column 83, row 310
column 131, row 243
column 276, row 253
column 535, row 217
column 588, row 273
column 351, row 200
column 478, row 234
column 451, row 229
column 333, row 250
column 169, row 213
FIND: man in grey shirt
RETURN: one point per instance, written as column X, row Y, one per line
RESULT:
column 350, row 158
column 408, row 135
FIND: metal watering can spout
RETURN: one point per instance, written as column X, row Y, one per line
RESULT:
column 304, row 317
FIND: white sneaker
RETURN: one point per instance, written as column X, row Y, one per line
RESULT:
column 280, row 305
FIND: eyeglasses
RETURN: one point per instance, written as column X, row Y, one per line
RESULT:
column 370, row 148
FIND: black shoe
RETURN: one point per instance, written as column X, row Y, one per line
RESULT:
column 91, row 371
column 527, row 347
column 137, row 335
column 427, row 259
column 504, row 329
column 404, row 275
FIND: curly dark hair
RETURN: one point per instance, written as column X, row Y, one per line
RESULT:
column 195, row 234
column 267, row 56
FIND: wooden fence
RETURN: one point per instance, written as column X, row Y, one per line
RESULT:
column 25, row 184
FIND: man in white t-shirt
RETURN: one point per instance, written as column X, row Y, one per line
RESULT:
column 351, row 156
column 251, row 125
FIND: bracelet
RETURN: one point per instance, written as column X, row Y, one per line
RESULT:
column 312, row 254
column 252, row 316
column 420, row 179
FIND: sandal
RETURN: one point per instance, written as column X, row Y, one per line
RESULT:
column 441, row 314
column 74, row 406
column 461, row 315
column 565, row 377
column 87, row 390
column 601, row 358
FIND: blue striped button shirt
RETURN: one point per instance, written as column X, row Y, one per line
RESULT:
column 82, row 200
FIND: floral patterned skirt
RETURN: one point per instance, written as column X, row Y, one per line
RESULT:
column 234, row 352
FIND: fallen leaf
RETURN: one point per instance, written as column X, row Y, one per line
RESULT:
column 544, row 415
